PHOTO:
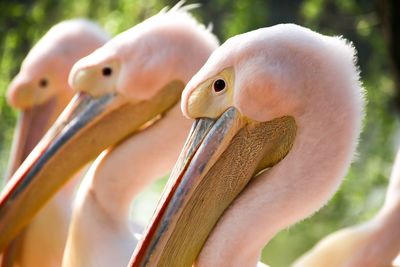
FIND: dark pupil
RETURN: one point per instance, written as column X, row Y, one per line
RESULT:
column 219, row 85
column 107, row 71
column 43, row 83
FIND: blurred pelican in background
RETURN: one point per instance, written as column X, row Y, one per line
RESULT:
column 260, row 156
column 128, row 98
column 41, row 91
column 375, row 243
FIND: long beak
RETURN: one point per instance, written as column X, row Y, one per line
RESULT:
column 86, row 127
column 31, row 126
column 219, row 159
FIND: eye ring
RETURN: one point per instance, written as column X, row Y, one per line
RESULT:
column 219, row 85
column 43, row 83
column 106, row 71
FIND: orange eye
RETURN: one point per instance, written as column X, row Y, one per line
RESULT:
column 219, row 85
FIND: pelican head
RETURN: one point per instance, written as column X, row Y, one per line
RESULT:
column 40, row 90
column 132, row 80
column 278, row 114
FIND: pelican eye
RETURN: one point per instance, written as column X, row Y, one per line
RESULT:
column 107, row 71
column 43, row 83
column 219, row 85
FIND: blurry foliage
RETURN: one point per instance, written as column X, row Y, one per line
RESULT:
column 22, row 22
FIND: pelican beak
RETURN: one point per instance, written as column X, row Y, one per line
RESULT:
column 85, row 128
column 219, row 159
column 31, row 126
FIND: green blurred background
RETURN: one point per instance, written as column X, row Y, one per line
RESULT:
column 369, row 24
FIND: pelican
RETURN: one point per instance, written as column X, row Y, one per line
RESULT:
column 278, row 114
column 372, row 244
column 128, row 98
column 40, row 91
column 100, row 218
